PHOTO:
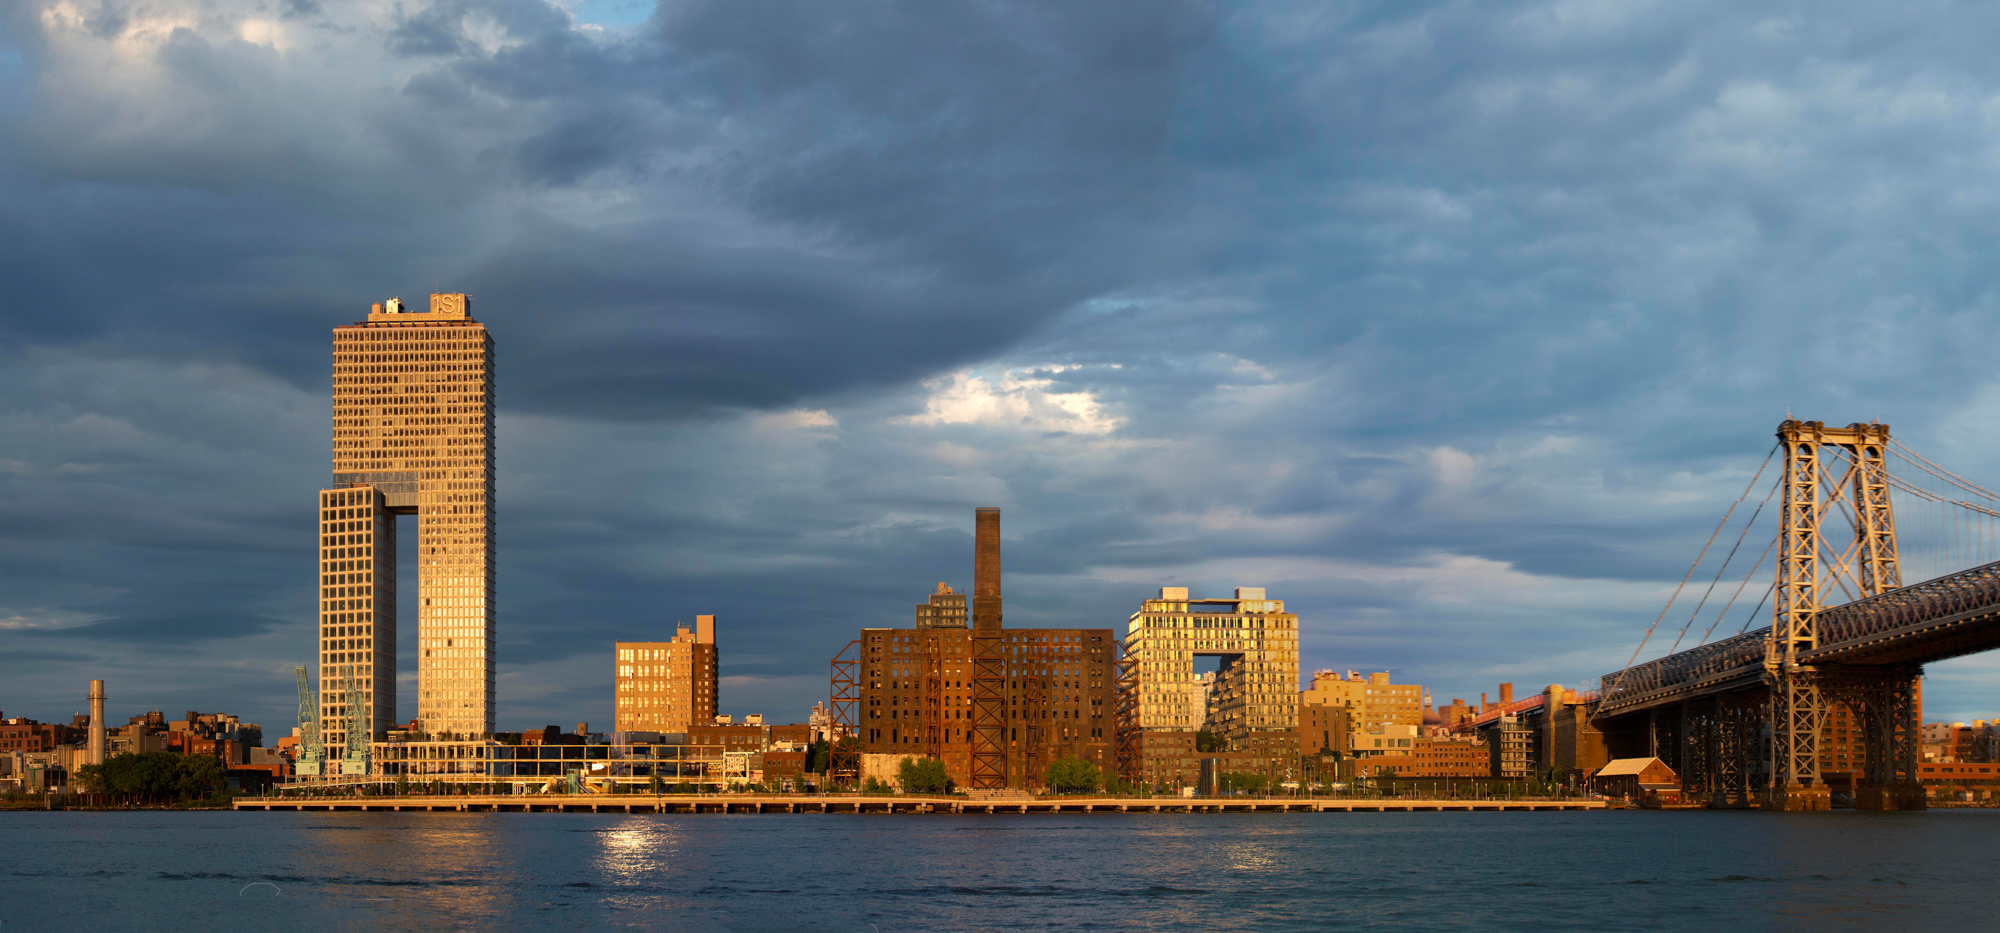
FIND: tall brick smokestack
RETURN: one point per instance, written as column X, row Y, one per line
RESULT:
column 986, row 570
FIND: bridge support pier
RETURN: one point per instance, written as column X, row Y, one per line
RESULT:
column 1738, row 761
column 1884, row 704
column 1800, row 797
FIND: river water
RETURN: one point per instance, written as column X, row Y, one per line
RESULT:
column 1601, row 871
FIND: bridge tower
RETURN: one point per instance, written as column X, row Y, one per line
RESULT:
column 1809, row 564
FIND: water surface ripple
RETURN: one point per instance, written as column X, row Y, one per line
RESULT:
column 1541, row 872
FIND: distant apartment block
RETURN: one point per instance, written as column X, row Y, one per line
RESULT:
column 1372, row 700
column 944, row 609
column 667, row 686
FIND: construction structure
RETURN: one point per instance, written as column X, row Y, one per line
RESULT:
column 667, row 686
column 355, row 756
column 995, row 705
column 311, row 755
column 843, row 716
column 1252, row 708
column 412, row 435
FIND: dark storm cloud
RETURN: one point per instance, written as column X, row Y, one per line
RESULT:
column 164, row 629
column 26, row 658
column 1457, row 324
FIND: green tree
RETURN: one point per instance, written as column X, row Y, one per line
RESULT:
column 1232, row 781
column 155, row 777
column 873, row 786
column 922, row 776
column 1072, row 775
column 1205, row 742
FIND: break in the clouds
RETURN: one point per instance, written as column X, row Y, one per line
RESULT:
column 1455, row 325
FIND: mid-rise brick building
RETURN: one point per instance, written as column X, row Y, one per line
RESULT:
column 27, row 735
column 1373, row 701
column 667, row 686
column 1451, row 757
column 916, row 697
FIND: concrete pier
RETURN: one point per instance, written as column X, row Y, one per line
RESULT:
column 771, row 803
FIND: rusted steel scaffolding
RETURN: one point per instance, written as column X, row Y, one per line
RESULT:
column 843, row 762
column 1129, row 755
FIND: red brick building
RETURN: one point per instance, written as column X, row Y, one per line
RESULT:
column 27, row 735
column 1437, row 757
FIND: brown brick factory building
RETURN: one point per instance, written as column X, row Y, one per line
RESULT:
column 1048, row 692
column 667, row 686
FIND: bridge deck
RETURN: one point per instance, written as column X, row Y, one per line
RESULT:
column 588, row 803
column 1953, row 615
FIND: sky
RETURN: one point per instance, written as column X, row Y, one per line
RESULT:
column 1457, row 326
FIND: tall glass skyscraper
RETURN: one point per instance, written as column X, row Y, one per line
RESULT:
column 412, row 435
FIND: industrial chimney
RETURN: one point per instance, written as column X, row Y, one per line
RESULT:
column 96, row 748
column 986, row 570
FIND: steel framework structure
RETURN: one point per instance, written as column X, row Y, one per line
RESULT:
column 843, row 699
column 1128, row 755
column 989, row 710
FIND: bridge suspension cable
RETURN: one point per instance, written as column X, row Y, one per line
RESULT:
column 1752, row 575
column 1947, row 522
column 1719, row 571
column 1613, row 685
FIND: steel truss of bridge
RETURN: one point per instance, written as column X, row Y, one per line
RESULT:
column 1742, row 719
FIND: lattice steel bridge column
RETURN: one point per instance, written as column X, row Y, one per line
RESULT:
column 1808, row 563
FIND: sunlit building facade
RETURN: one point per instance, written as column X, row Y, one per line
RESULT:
column 1251, row 706
column 412, row 435
column 667, row 686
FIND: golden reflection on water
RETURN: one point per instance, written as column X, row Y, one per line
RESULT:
column 411, row 871
column 636, row 850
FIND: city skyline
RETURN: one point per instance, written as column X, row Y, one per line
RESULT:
column 1461, row 345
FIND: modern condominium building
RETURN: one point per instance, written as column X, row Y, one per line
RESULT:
column 1252, row 706
column 412, row 435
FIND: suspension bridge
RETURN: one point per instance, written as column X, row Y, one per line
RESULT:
column 1828, row 692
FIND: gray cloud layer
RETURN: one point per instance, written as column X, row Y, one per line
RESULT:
column 1457, row 325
